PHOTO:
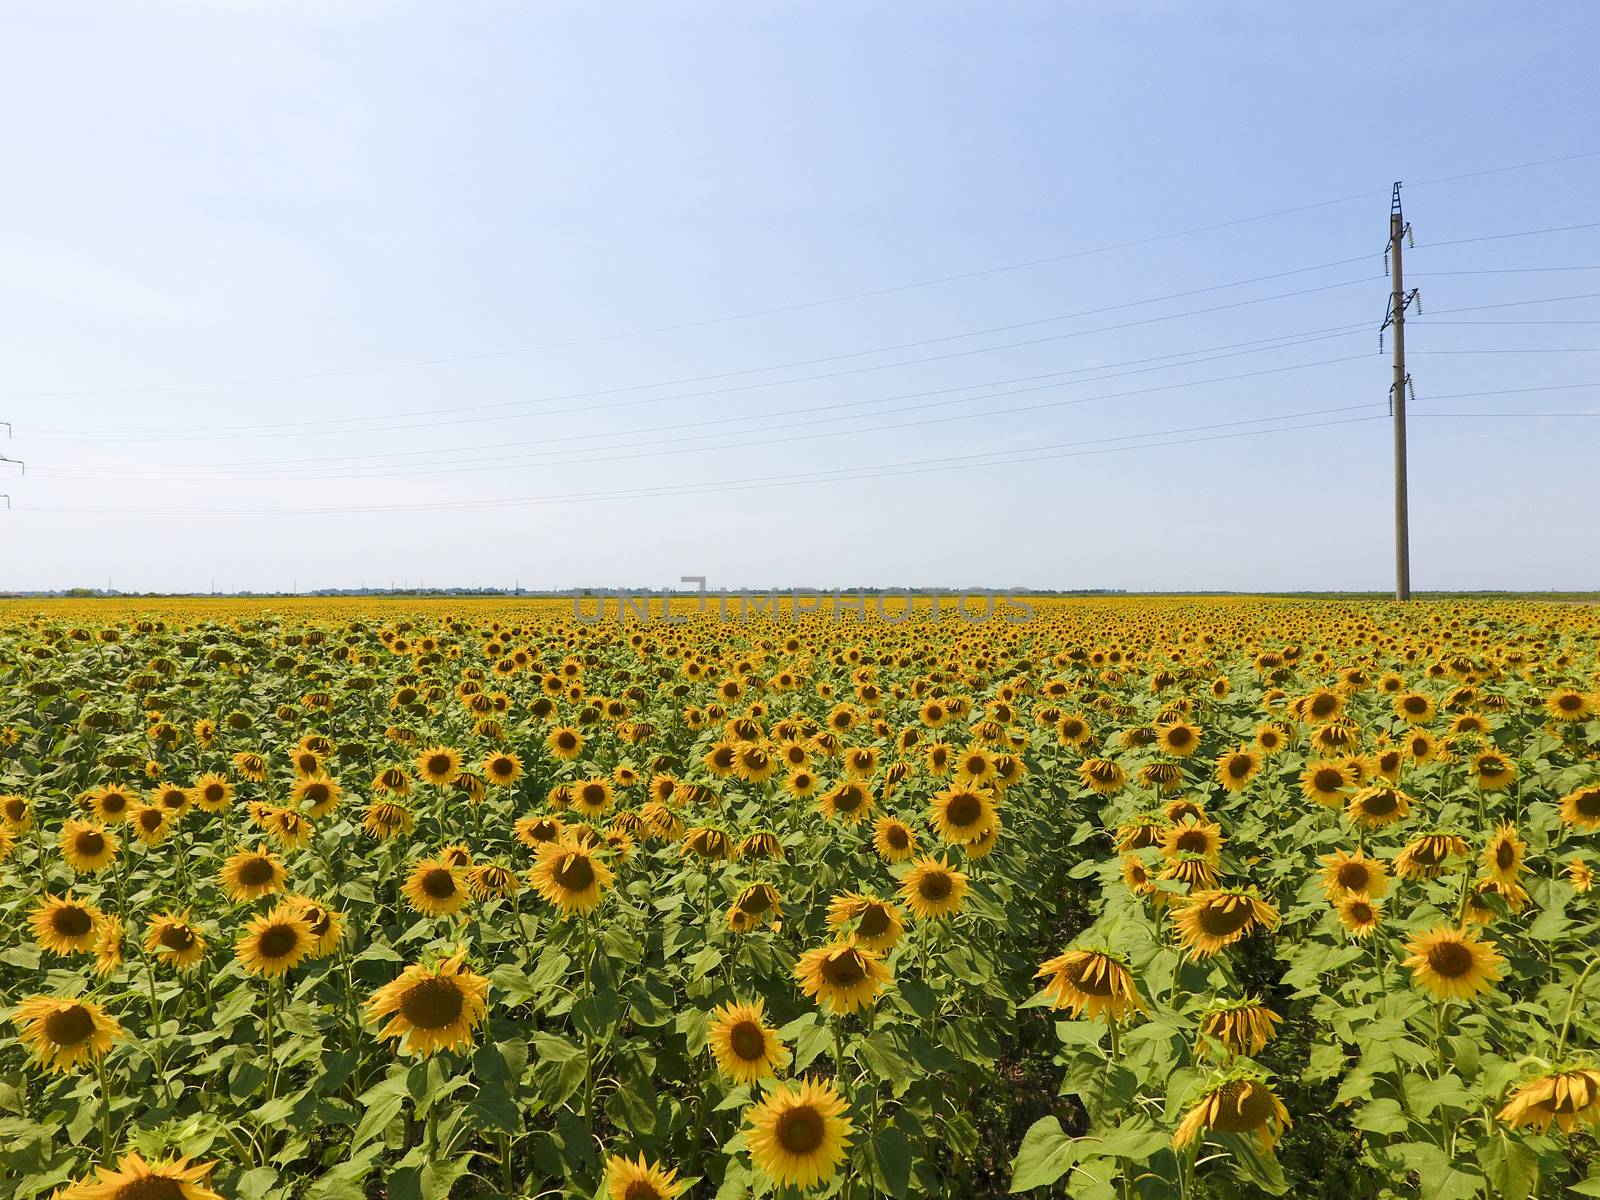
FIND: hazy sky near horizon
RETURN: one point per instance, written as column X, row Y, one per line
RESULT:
column 310, row 295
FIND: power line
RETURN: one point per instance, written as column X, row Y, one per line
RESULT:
column 1499, row 237
column 836, row 475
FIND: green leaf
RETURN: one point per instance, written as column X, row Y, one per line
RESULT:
column 1046, row 1154
column 892, row 1156
column 1381, row 1116
column 1511, row 1168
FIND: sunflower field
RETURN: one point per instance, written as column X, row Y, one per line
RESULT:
column 1131, row 898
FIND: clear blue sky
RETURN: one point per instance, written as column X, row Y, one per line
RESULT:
column 207, row 192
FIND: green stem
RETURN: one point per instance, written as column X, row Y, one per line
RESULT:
column 107, row 1141
column 1572, row 1003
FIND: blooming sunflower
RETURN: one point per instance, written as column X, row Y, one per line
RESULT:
column 1237, row 768
column 962, row 815
column 569, row 876
column 431, row 1009
column 1568, row 704
column 502, row 769
column 1179, row 739
column 1193, row 836
column 1502, row 858
column 1492, row 771
column 251, row 874
column 798, row 1135
column 1581, row 808
column 319, row 793
column 112, row 804
column 435, row 888
column 274, row 942
column 1377, row 806
column 1101, row 776
column 848, row 801
column 1095, row 983
column 439, row 765
column 61, row 1032
column 88, row 848
column 639, row 1180
column 1570, row 1098
column 933, row 890
column 136, row 1179
column 173, row 937
column 64, row 925
column 893, row 839
column 212, row 793
column 1452, row 964
column 1209, row 920
column 1326, row 781
column 1355, row 874
column 841, row 977
column 151, row 823
column 876, row 923
column 1237, row 1104
column 1359, row 915
column 744, row 1048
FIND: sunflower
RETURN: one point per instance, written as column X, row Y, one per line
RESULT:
column 1237, row 768
column 1570, row 1098
column 1479, row 911
column 1136, row 877
column 1353, row 875
column 1579, row 874
column 1326, row 781
column 1377, row 806
column 435, row 889
column 288, row 828
column 801, row 783
column 841, row 977
column 761, row 844
column 1242, row 1026
column 491, row 879
column 392, row 781
column 1581, row 808
column 136, row 1179
column 708, row 842
column 1502, row 858
column 755, row 906
column 1359, row 915
column 639, row 1180
column 939, row 756
column 1452, row 964
column 431, row 1009
column 1193, row 836
column 1492, row 771
column 1427, row 855
column 1568, row 705
column 569, row 876
column 592, row 797
column 151, row 823
column 893, row 839
column 108, row 944
column 876, row 924
column 1217, row 917
column 274, row 942
column 744, row 1048
column 65, row 925
column 1101, row 776
column 849, row 801
column 1414, row 708
column 502, row 769
column 963, row 815
column 173, row 937
column 932, row 890
column 799, row 1134
column 327, row 924
column 251, row 874
column 1236, row 1104
column 112, row 804
column 318, row 792
column 1179, row 739
column 1095, row 983
column 439, row 765
column 250, row 767
column 88, row 848
column 61, row 1032
column 385, row 819
column 1420, row 746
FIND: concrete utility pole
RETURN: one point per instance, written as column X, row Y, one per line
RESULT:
column 1399, row 301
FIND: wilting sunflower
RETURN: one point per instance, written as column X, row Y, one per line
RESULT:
column 708, row 842
column 1092, row 983
column 841, row 977
column 88, row 848
column 1237, row 768
column 1209, row 920
column 893, row 839
column 568, row 875
column 435, row 888
column 1101, row 776
column 639, row 1180
column 62, row 1032
column 274, row 942
column 1478, row 909
column 798, row 1135
column 1241, row 1103
column 848, row 801
column 762, row 844
column 876, row 924
column 962, row 815
column 250, row 767
column 385, row 819
column 1355, row 874
column 1326, row 781
column 1502, row 858
column 1136, row 877
column 1581, row 808
column 1427, row 856
column 1492, row 771
column 1377, row 806
column 744, row 1048
column 1579, row 874
column 64, row 925
column 431, row 1009
column 754, row 907
column 136, row 1179
column 173, row 937
column 1242, row 1026
column 1570, row 1098
column 491, row 879
column 319, row 793
column 1359, row 915
column 251, row 874
column 932, row 890
column 1452, row 964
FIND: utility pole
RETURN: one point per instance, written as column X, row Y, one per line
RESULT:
column 1399, row 301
